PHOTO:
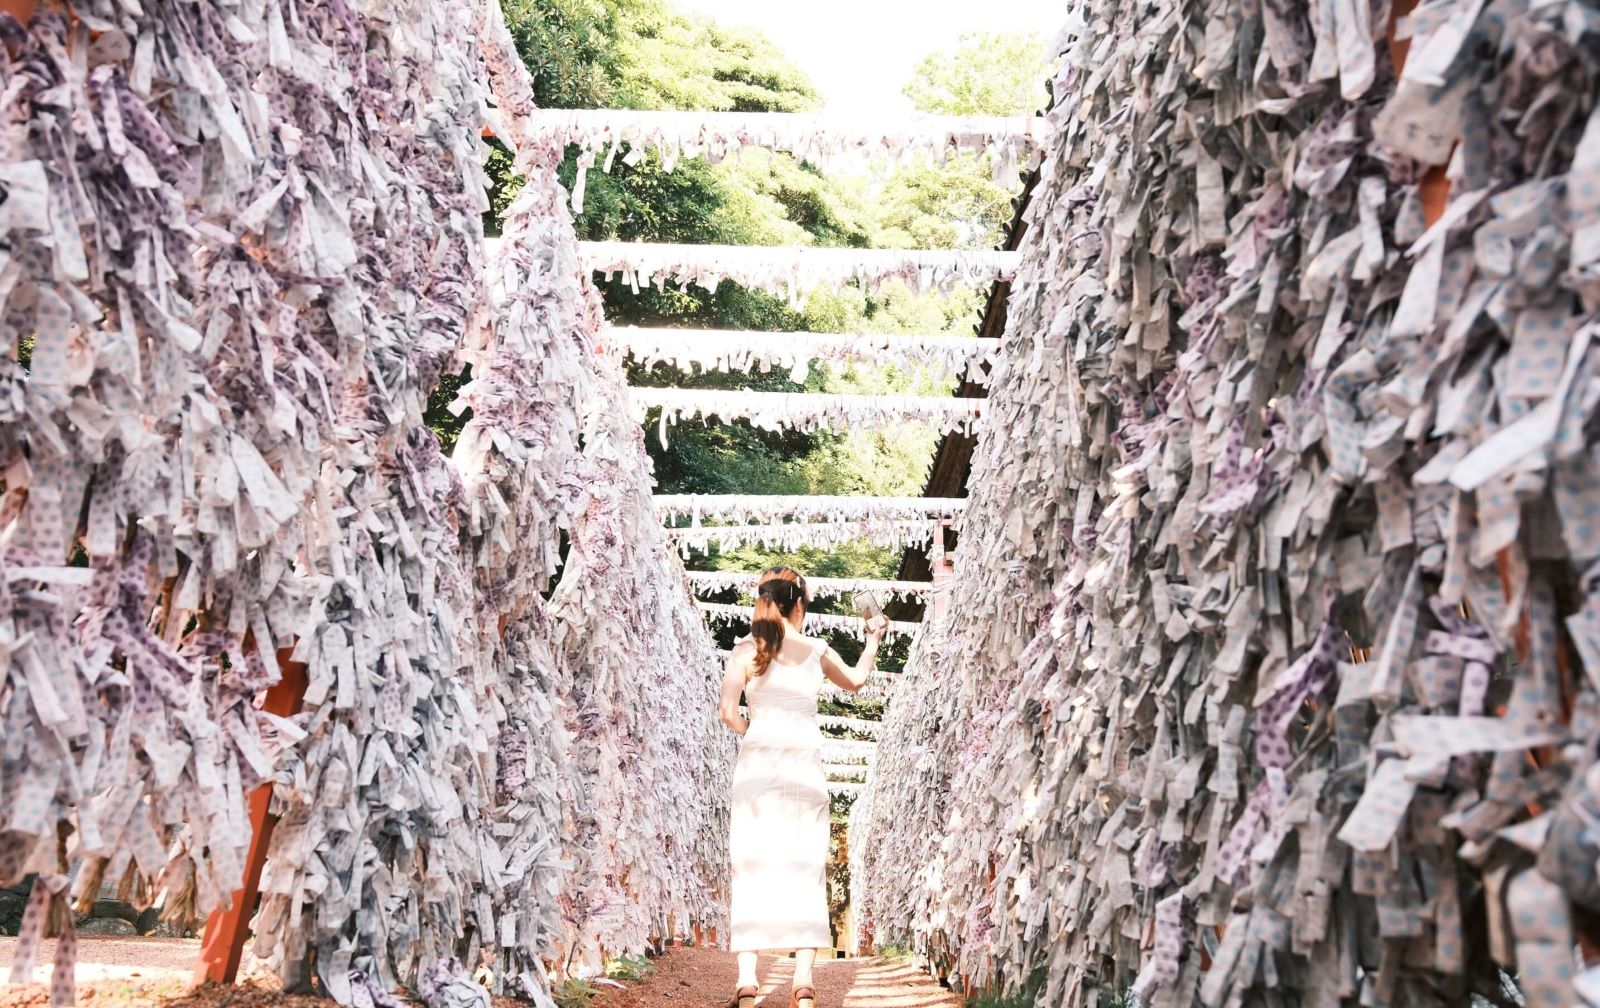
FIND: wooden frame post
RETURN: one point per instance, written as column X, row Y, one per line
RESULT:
column 1435, row 186
column 943, row 571
column 227, row 929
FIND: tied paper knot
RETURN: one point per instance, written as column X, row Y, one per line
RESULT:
column 1264, row 810
column 1174, row 918
column 1240, row 481
column 1305, row 679
column 1464, row 639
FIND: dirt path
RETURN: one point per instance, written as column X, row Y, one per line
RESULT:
column 156, row 972
column 115, row 969
column 129, row 972
column 703, row 978
column 100, row 958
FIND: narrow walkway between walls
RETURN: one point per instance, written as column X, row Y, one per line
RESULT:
column 704, row 977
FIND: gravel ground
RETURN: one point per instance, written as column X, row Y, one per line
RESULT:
column 703, row 978
column 99, row 958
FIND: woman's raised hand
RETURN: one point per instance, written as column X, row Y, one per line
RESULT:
column 877, row 626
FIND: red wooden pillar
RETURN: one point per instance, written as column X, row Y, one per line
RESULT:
column 944, row 571
column 1435, row 187
column 226, row 930
column 22, row 10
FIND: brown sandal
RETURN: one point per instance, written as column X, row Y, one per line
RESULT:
column 808, row 999
column 744, row 997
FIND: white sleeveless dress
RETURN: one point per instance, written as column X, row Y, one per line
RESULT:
column 779, row 832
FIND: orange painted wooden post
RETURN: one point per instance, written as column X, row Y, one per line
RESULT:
column 226, row 930
column 22, row 10
column 1435, row 187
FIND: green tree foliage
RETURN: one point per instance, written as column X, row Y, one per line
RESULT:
column 959, row 204
column 995, row 74
column 570, row 48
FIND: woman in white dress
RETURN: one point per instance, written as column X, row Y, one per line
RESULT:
column 779, row 835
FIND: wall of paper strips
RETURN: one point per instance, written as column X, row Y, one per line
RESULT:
column 228, row 293
column 1269, row 671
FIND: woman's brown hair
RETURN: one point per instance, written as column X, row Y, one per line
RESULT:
column 778, row 592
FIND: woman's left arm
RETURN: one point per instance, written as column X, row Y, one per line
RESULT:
column 734, row 675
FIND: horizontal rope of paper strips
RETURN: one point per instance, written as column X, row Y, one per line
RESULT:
column 854, row 724
column 879, row 686
column 713, row 136
column 772, row 508
column 794, row 535
column 790, row 272
column 845, row 750
column 719, row 612
column 809, row 411
column 845, row 771
column 709, row 350
column 743, row 581
column 845, row 787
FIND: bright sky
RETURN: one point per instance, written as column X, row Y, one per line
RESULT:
column 859, row 53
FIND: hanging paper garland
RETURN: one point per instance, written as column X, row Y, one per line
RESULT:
column 818, row 139
column 918, row 591
column 791, row 536
column 769, row 509
column 793, row 272
column 958, row 357
column 722, row 613
column 807, row 411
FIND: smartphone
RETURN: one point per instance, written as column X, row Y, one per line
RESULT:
column 870, row 606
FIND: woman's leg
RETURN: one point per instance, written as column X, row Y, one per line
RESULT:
column 747, row 970
column 803, row 961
